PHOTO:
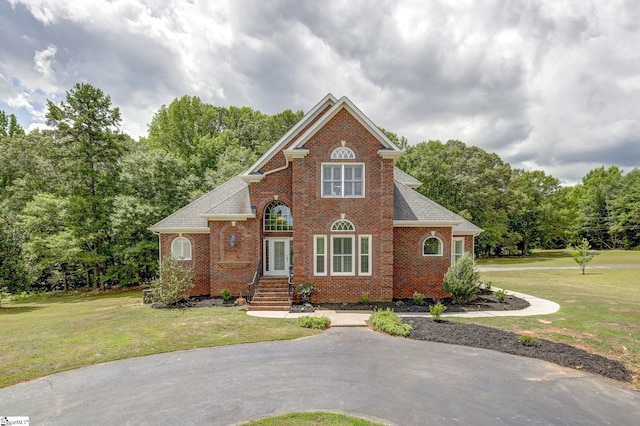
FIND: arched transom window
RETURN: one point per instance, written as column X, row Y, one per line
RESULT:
column 181, row 248
column 342, row 225
column 432, row 246
column 343, row 153
column 277, row 217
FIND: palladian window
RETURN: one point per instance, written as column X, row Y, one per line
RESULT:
column 277, row 217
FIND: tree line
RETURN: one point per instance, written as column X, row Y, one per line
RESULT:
column 76, row 200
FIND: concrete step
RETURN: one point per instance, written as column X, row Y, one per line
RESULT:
column 270, row 308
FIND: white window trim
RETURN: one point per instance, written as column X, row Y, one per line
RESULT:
column 343, row 153
column 342, row 222
column 315, row 255
column 364, row 180
column 173, row 251
column 369, row 254
column 441, row 247
column 453, row 248
column 353, row 256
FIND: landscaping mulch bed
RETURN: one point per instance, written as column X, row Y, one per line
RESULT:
column 479, row 336
column 485, row 301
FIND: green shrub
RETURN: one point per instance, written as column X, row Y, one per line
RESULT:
column 225, row 294
column 418, row 298
column 500, row 295
column 174, row 282
column 364, row 298
column 529, row 341
column 462, row 280
column 318, row 323
column 390, row 323
column 437, row 310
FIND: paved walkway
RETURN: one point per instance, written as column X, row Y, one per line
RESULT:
column 350, row 370
column 537, row 306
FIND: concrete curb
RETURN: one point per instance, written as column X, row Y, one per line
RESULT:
column 537, row 306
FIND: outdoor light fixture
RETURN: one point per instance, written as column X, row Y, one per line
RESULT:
column 232, row 240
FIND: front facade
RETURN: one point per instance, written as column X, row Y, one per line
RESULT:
column 327, row 204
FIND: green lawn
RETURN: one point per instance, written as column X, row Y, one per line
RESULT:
column 51, row 334
column 599, row 311
column 314, row 418
column 563, row 258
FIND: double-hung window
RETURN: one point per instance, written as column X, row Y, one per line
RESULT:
column 342, row 259
column 343, row 180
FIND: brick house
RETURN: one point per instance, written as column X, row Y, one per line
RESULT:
column 327, row 204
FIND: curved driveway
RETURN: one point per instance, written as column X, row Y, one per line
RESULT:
column 350, row 370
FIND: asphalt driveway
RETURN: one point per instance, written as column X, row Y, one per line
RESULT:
column 350, row 370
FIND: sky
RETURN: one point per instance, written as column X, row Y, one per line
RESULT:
column 547, row 85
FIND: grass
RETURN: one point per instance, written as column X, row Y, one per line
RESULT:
column 552, row 258
column 49, row 334
column 599, row 311
column 325, row 419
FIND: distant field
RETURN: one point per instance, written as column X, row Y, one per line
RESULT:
column 563, row 258
column 599, row 311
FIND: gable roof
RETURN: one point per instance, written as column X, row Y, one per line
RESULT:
column 405, row 178
column 412, row 209
column 295, row 140
column 327, row 101
column 229, row 201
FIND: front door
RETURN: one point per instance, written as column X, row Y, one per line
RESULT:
column 277, row 256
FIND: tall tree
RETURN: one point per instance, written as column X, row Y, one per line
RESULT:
column 594, row 199
column 87, row 128
column 625, row 210
column 532, row 215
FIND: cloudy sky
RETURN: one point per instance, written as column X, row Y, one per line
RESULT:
column 551, row 85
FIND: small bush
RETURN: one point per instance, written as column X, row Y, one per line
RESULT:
column 174, row 283
column 437, row 310
column 462, row 280
column 318, row 323
column 500, row 295
column 390, row 323
column 529, row 341
column 364, row 298
column 225, row 294
column 418, row 298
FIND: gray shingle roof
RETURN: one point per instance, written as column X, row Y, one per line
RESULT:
column 405, row 178
column 230, row 198
column 412, row 207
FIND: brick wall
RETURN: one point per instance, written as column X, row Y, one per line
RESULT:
column 199, row 258
column 415, row 272
column 371, row 215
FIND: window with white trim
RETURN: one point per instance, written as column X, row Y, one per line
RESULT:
column 343, row 180
column 457, row 250
column 342, row 225
column 342, row 255
column 432, row 246
column 343, row 153
column 277, row 217
column 320, row 254
column 365, row 255
column 181, row 248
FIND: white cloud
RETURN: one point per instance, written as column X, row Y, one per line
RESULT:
column 551, row 85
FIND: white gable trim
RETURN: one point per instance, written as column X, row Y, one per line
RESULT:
column 286, row 139
column 345, row 103
column 180, row 230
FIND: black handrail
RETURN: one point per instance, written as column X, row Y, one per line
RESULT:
column 253, row 285
column 290, row 283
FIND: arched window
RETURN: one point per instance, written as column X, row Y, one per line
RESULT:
column 342, row 225
column 181, row 248
column 277, row 217
column 432, row 246
column 343, row 153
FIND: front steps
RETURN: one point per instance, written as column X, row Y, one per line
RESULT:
column 272, row 295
